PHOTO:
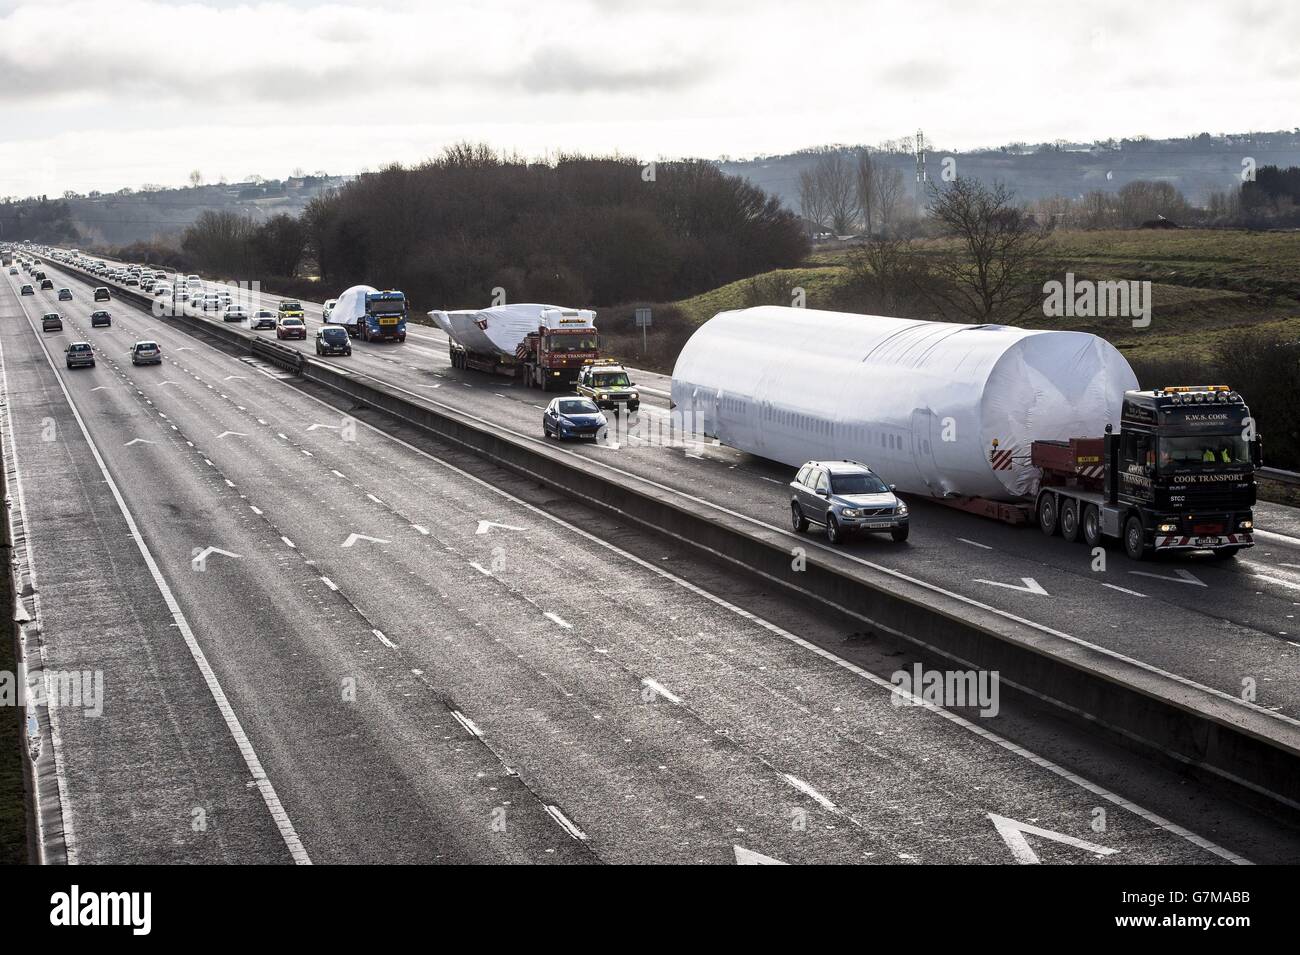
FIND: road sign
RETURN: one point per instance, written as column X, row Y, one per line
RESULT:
column 643, row 322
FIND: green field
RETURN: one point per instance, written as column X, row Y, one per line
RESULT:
column 1205, row 283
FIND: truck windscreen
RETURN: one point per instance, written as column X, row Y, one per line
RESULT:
column 570, row 343
column 386, row 306
column 1203, row 450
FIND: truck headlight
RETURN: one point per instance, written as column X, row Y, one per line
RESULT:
column 1246, row 525
column 1167, row 528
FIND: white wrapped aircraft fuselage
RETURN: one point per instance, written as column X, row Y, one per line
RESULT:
column 351, row 306
column 919, row 402
column 500, row 329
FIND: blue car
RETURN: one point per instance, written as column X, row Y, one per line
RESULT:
column 573, row 418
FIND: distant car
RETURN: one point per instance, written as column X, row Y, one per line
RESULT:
column 160, row 290
column 100, row 317
column 573, row 418
column 290, row 309
column 13, row 270
column 51, row 322
column 234, row 313
column 101, row 294
column 146, row 353
column 27, row 290
column 80, row 355
column 290, row 328
column 65, row 295
column 333, row 340
column 329, row 307
column 262, row 318
column 47, row 285
column 607, row 383
column 847, row 498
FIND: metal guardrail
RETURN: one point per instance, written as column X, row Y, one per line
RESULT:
column 1277, row 475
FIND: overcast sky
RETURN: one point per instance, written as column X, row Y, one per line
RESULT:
column 99, row 95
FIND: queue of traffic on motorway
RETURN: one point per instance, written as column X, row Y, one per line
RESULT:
column 940, row 411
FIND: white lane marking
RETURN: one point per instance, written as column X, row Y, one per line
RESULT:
column 138, row 441
column 957, row 720
column 329, row 583
column 1182, row 576
column 308, row 453
column 750, row 857
column 353, row 538
column 660, row 690
column 209, row 463
column 332, row 427
column 1123, row 590
column 256, row 510
column 421, row 528
column 375, row 499
column 384, row 640
column 1274, row 535
column 808, row 791
column 1277, row 580
column 289, row 542
column 485, row 526
column 974, row 543
column 558, row 620
column 237, row 434
column 1030, row 586
column 281, row 434
column 245, row 746
column 229, row 483
column 338, row 473
column 470, row 727
column 565, row 824
column 1013, row 834
column 480, row 568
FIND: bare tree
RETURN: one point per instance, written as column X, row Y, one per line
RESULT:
column 866, row 186
column 196, row 178
column 812, row 201
column 837, row 178
column 890, row 188
column 999, row 243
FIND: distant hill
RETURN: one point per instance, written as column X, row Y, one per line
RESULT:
column 121, row 218
column 1196, row 165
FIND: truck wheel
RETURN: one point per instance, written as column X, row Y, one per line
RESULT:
column 1092, row 526
column 1047, row 514
column 1070, row 520
column 1134, row 543
column 797, row 520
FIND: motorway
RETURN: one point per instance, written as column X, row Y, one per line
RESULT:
column 396, row 654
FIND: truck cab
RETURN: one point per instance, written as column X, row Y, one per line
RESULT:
column 1179, row 475
column 385, row 317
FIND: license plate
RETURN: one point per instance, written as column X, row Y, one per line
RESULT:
column 880, row 524
column 388, row 321
column 1206, row 541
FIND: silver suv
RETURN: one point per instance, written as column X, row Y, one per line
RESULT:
column 847, row 498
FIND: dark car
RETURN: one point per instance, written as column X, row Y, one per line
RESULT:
column 51, row 322
column 65, row 295
column 847, row 498
column 101, row 294
column 47, row 285
column 27, row 290
column 573, row 418
column 332, row 340
column 100, row 317
column 80, row 355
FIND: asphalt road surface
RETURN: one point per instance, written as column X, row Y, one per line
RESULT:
column 320, row 642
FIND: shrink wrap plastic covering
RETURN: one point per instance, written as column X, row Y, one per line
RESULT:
column 919, row 402
column 351, row 305
column 500, row 329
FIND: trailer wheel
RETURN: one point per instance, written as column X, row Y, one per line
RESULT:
column 1134, row 543
column 1092, row 526
column 1047, row 514
column 1070, row 519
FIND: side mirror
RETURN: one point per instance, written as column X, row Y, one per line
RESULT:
column 893, row 487
column 822, row 492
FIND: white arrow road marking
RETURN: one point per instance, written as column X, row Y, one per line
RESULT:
column 185, row 348
column 485, row 526
column 353, row 538
column 750, row 857
column 332, row 427
column 1184, row 577
column 207, row 552
column 237, row 434
column 974, row 543
column 240, row 377
column 99, row 388
column 1013, row 834
column 661, row 690
column 1031, row 586
column 162, row 383
column 137, row 441
column 1124, row 590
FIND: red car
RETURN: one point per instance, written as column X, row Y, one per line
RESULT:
column 291, row 328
